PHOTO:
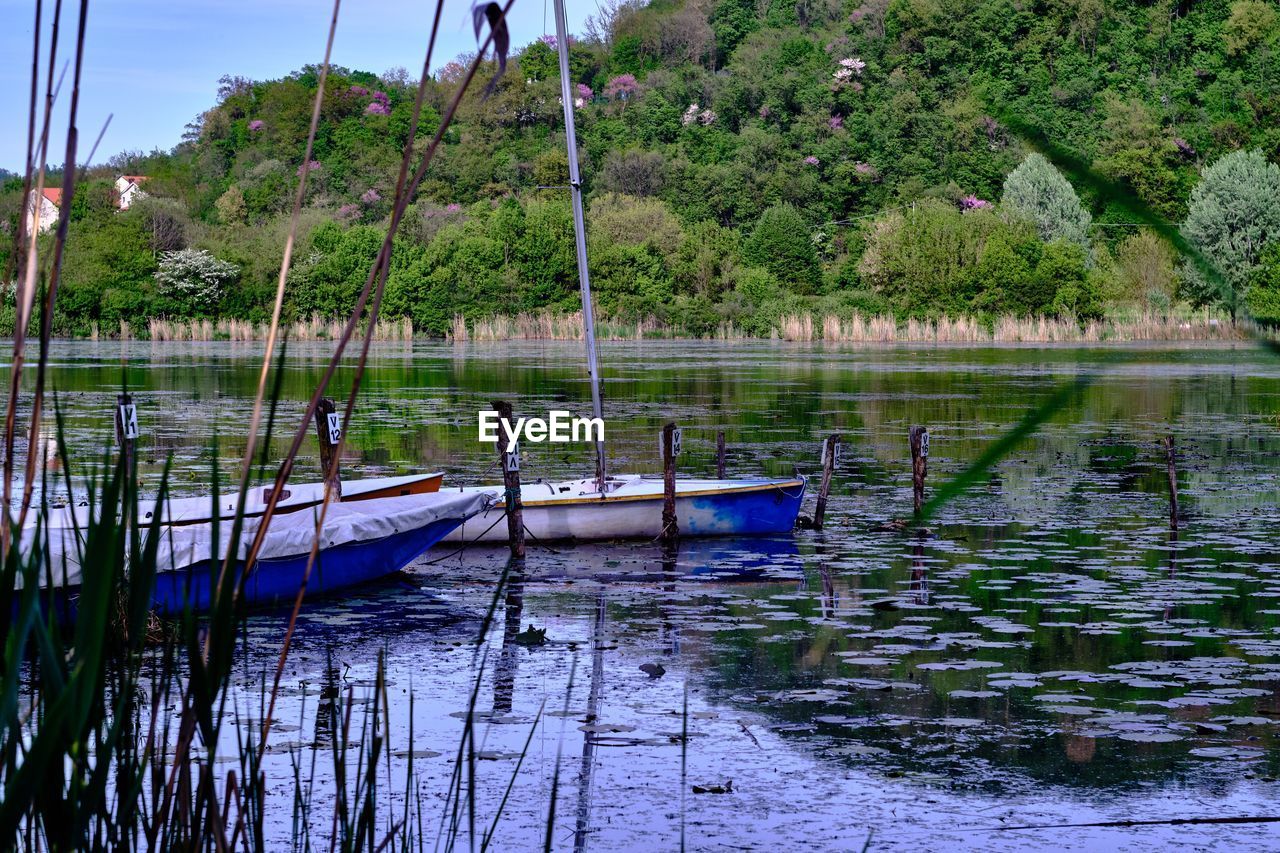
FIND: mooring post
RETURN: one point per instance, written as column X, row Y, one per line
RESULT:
column 509, row 457
column 720, row 454
column 670, row 447
column 918, row 437
column 830, row 450
column 127, row 433
column 1171, row 460
column 329, row 431
column 127, row 438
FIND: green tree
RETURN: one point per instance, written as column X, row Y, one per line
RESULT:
column 780, row 243
column 107, row 275
column 1233, row 215
column 328, row 281
column 1064, row 285
column 1038, row 192
column 1251, row 22
column 1263, row 298
column 231, row 207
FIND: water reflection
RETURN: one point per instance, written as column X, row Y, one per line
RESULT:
column 504, row 676
column 1050, row 652
column 586, row 772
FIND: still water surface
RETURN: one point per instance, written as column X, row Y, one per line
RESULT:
column 1046, row 654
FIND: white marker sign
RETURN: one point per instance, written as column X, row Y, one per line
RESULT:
column 924, row 444
column 512, row 458
column 675, row 443
column 335, row 427
column 129, row 420
column 838, row 457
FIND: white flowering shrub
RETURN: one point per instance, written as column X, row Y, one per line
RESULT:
column 194, row 278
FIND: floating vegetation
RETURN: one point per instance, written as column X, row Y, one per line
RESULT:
column 1045, row 648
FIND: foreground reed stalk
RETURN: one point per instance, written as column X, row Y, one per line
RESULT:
column 126, row 788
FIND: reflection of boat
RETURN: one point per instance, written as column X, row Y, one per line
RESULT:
column 632, row 509
column 719, row 558
column 360, row 541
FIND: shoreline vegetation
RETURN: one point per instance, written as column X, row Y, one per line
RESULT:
column 742, row 165
column 798, row 327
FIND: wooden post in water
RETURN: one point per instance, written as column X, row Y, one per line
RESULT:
column 509, row 457
column 670, row 447
column 329, row 431
column 127, row 433
column 1171, row 459
column 720, row 455
column 830, row 448
column 918, row 437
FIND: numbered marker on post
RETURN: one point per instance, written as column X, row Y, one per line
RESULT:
column 924, row 444
column 128, row 421
column 675, row 443
column 335, row 427
column 839, row 452
column 513, row 458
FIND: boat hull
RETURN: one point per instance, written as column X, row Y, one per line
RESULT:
column 759, row 509
column 276, row 581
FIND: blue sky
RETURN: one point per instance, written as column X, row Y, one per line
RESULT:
column 155, row 64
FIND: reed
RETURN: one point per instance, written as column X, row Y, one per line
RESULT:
column 877, row 329
column 555, row 326
column 1008, row 329
column 102, row 751
column 314, row 328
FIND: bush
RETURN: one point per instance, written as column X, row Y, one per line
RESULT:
column 1147, row 271
column 780, row 243
column 1263, row 299
column 194, row 280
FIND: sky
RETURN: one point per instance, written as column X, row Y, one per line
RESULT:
column 153, row 65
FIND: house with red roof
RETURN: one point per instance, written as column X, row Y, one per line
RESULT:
column 44, row 210
column 129, row 190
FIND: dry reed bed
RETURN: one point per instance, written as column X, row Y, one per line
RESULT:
column 1006, row 329
column 868, row 329
column 313, row 329
column 804, row 327
column 545, row 325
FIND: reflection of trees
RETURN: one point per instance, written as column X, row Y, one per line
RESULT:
column 418, row 408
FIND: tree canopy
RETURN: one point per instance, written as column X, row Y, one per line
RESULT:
column 741, row 160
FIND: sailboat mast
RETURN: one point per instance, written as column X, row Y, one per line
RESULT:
column 579, row 232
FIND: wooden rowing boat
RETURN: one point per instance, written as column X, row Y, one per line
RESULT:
column 631, row 508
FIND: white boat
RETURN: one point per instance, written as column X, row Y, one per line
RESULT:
column 631, row 508
column 627, row 506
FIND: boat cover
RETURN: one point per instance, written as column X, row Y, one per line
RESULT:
column 292, row 534
column 288, row 535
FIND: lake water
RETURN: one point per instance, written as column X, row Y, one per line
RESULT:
column 1046, row 654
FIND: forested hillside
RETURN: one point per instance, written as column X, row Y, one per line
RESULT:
column 743, row 159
